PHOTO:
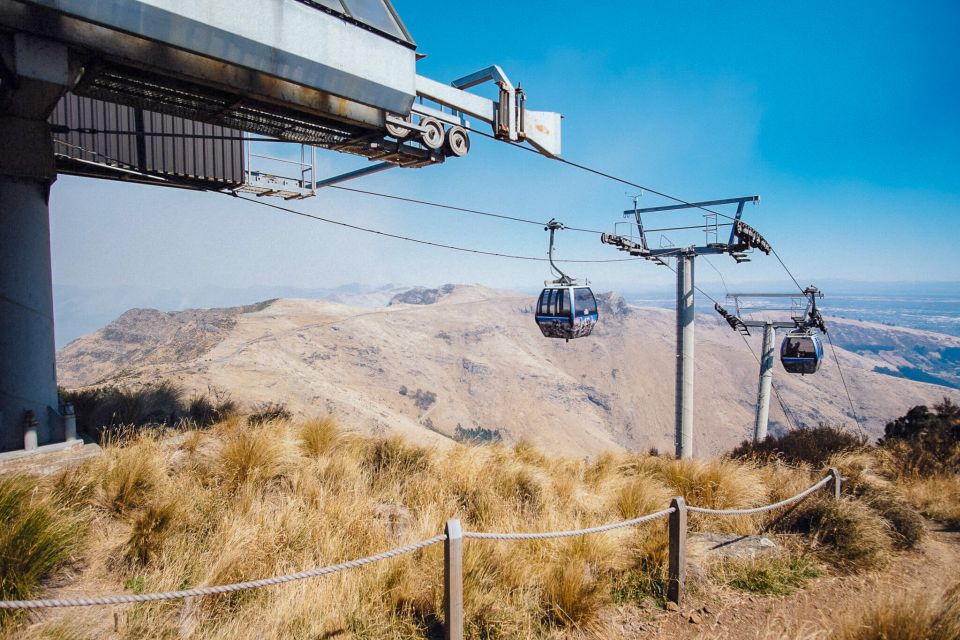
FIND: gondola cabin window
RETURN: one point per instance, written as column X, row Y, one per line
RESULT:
column 584, row 302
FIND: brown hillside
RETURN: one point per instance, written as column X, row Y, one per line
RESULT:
column 474, row 358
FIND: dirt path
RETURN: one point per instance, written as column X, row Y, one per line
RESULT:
column 813, row 613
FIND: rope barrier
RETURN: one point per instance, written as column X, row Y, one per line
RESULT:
column 227, row 588
column 769, row 507
column 567, row 534
column 353, row 564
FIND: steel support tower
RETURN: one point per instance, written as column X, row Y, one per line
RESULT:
column 810, row 317
column 742, row 239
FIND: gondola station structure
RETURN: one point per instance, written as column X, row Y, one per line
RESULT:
column 175, row 93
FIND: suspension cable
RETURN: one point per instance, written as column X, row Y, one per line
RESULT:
column 247, row 138
column 782, row 264
column 370, row 230
column 445, row 206
column 606, row 175
column 412, row 239
column 856, row 418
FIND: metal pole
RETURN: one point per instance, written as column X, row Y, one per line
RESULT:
column 453, row 581
column 685, row 338
column 766, row 379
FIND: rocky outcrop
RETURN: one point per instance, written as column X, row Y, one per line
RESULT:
column 146, row 336
column 422, row 295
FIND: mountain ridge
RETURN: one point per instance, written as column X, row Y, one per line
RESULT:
column 474, row 360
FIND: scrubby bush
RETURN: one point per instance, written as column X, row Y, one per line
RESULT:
column 477, row 435
column 205, row 410
column 237, row 501
column 807, row 445
column 924, row 443
column 424, row 399
column 111, row 411
column 268, row 412
column 105, row 409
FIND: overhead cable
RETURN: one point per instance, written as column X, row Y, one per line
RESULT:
column 385, row 233
column 845, row 388
column 412, row 239
column 608, row 176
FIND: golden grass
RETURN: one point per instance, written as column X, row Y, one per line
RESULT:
column 937, row 497
column 128, row 475
column 237, row 502
column 847, row 532
column 320, row 437
column 903, row 617
column 37, row 537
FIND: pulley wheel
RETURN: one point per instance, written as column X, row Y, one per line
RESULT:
column 397, row 131
column 458, row 142
column 432, row 134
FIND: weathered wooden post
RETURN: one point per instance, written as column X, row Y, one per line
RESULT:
column 837, row 481
column 453, row 581
column 677, row 572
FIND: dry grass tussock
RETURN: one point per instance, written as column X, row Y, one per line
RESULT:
column 937, row 497
column 240, row 501
column 899, row 617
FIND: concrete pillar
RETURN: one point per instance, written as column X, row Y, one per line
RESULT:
column 28, row 378
column 685, row 339
column 766, row 380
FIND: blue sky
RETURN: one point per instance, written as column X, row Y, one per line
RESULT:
column 843, row 117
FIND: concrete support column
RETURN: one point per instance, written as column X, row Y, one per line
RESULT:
column 766, row 380
column 685, row 363
column 28, row 377
column 40, row 75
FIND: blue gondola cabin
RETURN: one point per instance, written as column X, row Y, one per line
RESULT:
column 567, row 312
column 801, row 353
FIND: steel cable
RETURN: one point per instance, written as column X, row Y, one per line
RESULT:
column 417, row 240
column 856, row 418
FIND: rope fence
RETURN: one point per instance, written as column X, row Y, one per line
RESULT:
column 452, row 538
column 770, row 507
column 226, row 588
column 567, row 534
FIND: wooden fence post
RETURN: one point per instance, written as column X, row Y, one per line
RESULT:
column 837, row 481
column 677, row 575
column 453, row 581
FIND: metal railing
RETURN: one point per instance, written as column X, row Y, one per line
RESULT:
column 453, row 538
